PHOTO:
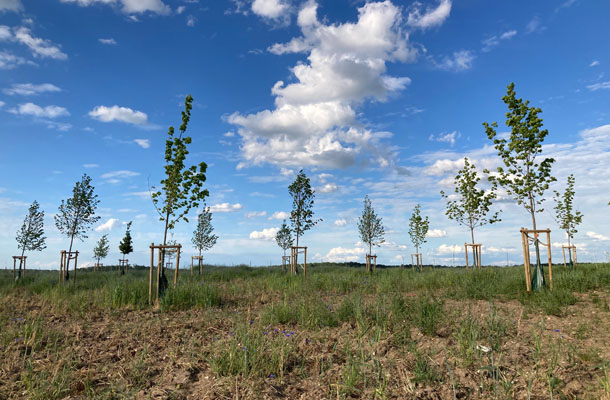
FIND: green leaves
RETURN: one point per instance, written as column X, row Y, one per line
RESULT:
column 77, row 214
column 523, row 176
column 565, row 214
column 101, row 248
column 302, row 195
column 284, row 237
column 418, row 227
column 182, row 188
column 472, row 204
column 370, row 226
column 126, row 245
column 203, row 239
column 31, row 235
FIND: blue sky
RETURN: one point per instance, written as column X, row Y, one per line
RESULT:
column 369, row 98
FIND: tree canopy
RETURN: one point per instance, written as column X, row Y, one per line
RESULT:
column 370, row 226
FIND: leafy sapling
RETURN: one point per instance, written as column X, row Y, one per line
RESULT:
column 370, row 226
column 523, row 175
column 182, row 187
column 284, row 239
column 126, row 246
column 100, row 251
column 301, row 216
column 418, row 228
column 203, row 238
column 76, row 215
column 566, row 216
column 31, row 235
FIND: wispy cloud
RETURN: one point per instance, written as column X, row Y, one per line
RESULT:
column 143, row 143
column 29, row 89
column 457, row 62
column 109, row 41
column 599, row 86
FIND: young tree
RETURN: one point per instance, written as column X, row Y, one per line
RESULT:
column 301, row 216
column 472, row 204
column 284, row 239
column 418, row 228
column 523, row 176
column 565, row 214
column 126, row 246
column 203, row 239
column 76, row 215
column 370, row 226
column 31, row 235
column 100, row 251
column 182, row 188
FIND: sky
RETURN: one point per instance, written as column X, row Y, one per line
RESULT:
column 377, row 98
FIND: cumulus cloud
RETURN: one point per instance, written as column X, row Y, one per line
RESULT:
column 445, row 137
column 328, row 188
column 436, row 233
column 225, row 207
column 342, row 254
column 273, row 9
column 597, row 236
column 11, row 5
column 449, row 249
column 129, row 6
column 107, row 41
column 116, row 113
column 265, row 234
column 459, row 61
column 143, row 143
column 29, row 89
column 108, row 225
column 340, row 222
column 430, row 17
column 280, row 215
column 35, row 110
column 40, row 47
column 314, row 119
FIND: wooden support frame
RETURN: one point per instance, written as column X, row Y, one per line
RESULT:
column 525, row 242
column 64, row 264
column 22, row 260
column 285, row 262
column 294, row 252
column 97, row 265
column 476, row 254
column 417, row 261
column 160, row 248
column 199, row 263
column 370, row 258
column 123, row 264
column 573, row 248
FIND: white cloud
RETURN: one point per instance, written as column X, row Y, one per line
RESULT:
column 342, row 254
column 108, row 225
column 90, row 165
column 10, row 61
column 128, row 6
column 28, row 89
column 594, row 63
column 2, row 104
column 190, row 21
column 40, row 112
column 11, row 5
column 493, row 41
column 110, row 41
column 430, row 17
column 597, row 236
column 534, row 25
column 328, row 188
column 143, row 143
column 436, row 233
column 270, row 8
column 444, row 166
column 599, row 86
column 449, row 249
column 503, row 250
column 180, row 10
column 445, row 137
column 225, row 207
column 256, row 214
column 280, row 215
column 116, row 113
column 340, row 222
column 121, row 174
column 265, row 234
column 5, row 33
column 229, row 134
column 40, row 47
column 314, row 120
column 459, row 61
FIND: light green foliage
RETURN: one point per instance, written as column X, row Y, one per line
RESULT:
column 31, row 235
column 101, row 248
column 126, row 245
column 418, row 228
column 76, row 215
column 301, row 215
column 566, row 216
column 370, row 226
column 522, row 176
column 472, row 205
column 203, row 238
column 284, row 237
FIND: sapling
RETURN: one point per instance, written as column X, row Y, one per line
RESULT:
column 566, row 216
column 31, row 234
column 418, row 228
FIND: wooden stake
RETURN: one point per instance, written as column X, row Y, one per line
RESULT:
column 150, row 275
column 177, row 266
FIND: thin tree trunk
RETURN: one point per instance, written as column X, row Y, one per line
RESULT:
column 67, row 270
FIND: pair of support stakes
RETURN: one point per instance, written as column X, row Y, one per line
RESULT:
column 370, row 258
column 525, row 241
column 199, row 263
column 294, row 252
column 123, row 264
column 476, row 254
column 161, row 250
column 571, row 249
column 97, row 265
column 21, row 263
column 417, row 261
column 64, row 264
column 285, row 263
